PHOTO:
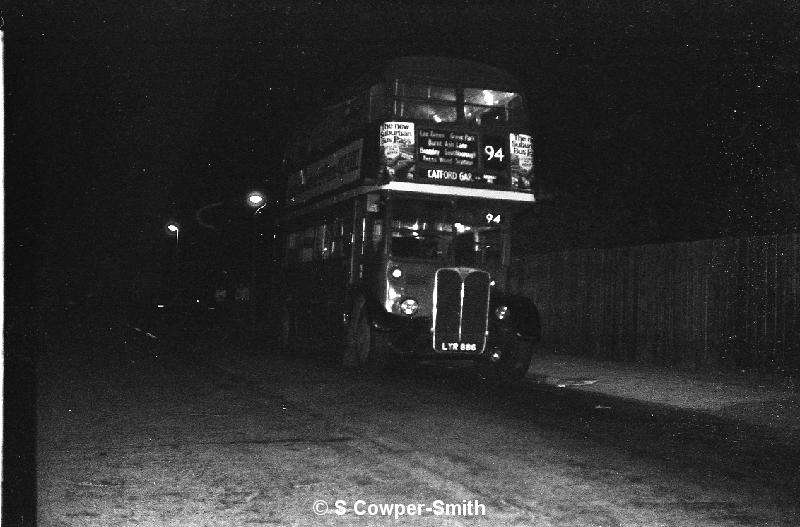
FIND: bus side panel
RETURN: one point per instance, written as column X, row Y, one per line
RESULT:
column 316, row 270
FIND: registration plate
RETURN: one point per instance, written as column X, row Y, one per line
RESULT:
column 458, row 346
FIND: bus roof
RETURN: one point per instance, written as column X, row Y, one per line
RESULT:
column 446, row 70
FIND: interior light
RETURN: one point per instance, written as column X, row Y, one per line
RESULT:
column 488, row 97
column 437, row 118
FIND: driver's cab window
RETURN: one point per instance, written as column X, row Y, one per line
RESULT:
column 419, row 230
column 464, row 253
column 481, row 247
column 453, row 232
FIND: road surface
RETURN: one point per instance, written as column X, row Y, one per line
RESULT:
column 201, row 429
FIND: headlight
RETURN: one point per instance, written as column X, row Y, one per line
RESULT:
column 409, row 306
column 502, row 312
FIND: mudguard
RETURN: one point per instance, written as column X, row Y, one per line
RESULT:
column 377, row 316
column 525, row 321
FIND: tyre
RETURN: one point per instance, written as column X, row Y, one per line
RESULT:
column 513, row 363
column 365, row 347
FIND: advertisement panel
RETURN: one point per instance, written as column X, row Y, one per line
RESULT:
column 521, row 161
column 397, row 149
column 339, row 168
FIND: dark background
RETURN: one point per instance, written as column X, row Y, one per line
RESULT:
column 653, row 121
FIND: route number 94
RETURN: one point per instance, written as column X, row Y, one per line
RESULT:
column 491, row 217
column 491, row 153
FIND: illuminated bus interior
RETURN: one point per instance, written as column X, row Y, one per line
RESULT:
column 446, row 104
column 455, row 232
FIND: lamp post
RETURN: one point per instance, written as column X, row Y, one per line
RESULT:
column 258, row 201
column 173, row 228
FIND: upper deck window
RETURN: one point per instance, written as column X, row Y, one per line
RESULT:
column 438, row 113
column 490, row 106
column 425, row 101
column 338, row 121
column 446, row 104
column 425, row 91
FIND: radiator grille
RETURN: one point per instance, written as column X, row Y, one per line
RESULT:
column 461, row 305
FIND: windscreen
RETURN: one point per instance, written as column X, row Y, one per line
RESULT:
column 421, row 229
column 456, row 232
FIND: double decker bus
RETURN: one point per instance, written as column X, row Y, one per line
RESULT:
column 396, row 227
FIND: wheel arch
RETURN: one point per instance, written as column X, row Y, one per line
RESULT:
column 525, row 318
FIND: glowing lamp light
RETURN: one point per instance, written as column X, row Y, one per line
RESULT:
column 409, row 307
column 172, row 227
column 255, row 199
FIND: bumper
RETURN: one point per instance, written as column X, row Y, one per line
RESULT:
column 412, row 336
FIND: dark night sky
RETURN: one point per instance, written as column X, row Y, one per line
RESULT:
column 653, row 121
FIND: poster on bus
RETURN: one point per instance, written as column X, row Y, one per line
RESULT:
column 521, row 161
column 397, row 150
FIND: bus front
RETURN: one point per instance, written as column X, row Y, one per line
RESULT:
column 455, row 162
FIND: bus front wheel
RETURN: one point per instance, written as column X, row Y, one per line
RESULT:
column 365, row 347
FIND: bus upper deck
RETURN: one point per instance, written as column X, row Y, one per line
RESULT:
column 418, row 120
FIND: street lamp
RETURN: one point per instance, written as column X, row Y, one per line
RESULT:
column 173, row 228
column 256, row 200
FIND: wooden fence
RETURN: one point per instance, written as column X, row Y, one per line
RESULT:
column 729, row 303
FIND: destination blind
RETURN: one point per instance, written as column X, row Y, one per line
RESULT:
column 457, row 149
